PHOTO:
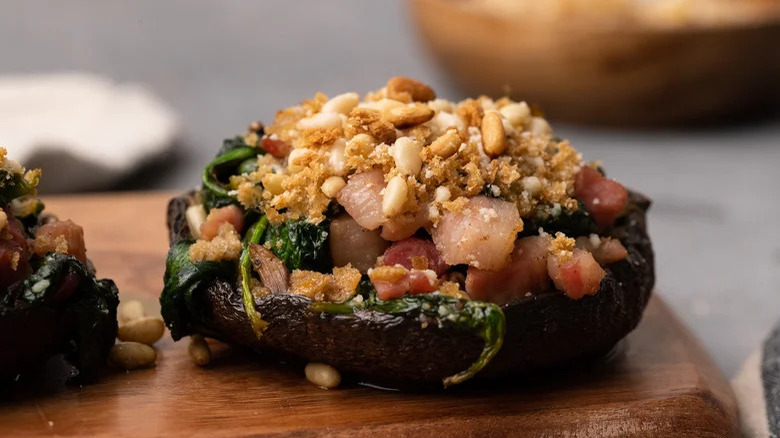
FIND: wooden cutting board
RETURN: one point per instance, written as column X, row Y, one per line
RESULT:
column 658, row 382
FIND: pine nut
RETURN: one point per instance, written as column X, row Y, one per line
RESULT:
column 362, row 141
column 442, row 194
column 132, row 355
column 341, row 104
column 199, row 350
column 296, row 157
column 320, row 120
column 146, row 330
column 382, row 105
column 408, row 90
column 532, row 185
column 539, row 126
column 447, row 144
column 409, row 115
column 394, row 196
column 406, row 153
column 493, row 135
column 322, row 375
column 487, row 103
column 518, row 114
column 131, row 310
column 3, row 220
column 441, row 105
column 332, row 186
column 508, row 128
column 273, row 183
column 443, row 121
column 256, row 126
column 195, row 215
column 336, row 160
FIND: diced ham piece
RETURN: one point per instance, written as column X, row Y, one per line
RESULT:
column 351, row 243
column 604, row 198
column 481, row 235
column 526, row 273
column 579, row 276
column 393, row 282
column 60, row 237
column 604, row 249
column 274, row 146
column 403, row 226
column 414, row 250
column 362, row 198
column 14, row 255
column 230, row 214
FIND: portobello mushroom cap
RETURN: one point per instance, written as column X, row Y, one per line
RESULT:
column 542, row 330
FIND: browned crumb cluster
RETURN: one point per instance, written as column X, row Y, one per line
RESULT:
column 336, row 287
column 562, row 246
column 517, row 159
column 44, row 243
column 225, row 246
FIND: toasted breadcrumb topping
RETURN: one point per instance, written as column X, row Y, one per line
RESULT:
column 336, row 287
column 331, row 137
column 452, row 289
column 562, row 246
column 226, row 245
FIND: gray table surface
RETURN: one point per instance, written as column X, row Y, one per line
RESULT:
column 222, row 64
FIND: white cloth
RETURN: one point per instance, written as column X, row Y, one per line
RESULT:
column 84, row 131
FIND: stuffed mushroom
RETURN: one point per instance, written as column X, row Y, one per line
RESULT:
column 408, row 239
column 50, row 301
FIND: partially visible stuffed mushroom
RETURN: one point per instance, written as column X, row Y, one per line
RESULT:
column 406, row 238
column 50, row 301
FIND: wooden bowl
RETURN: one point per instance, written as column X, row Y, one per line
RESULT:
column 629, row 75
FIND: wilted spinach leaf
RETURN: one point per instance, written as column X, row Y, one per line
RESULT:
column 88, row 305
column 573, row 223
column 216, row 192
column 230, row 144
column 180, row 300
column 15, row 185
column 300, row 244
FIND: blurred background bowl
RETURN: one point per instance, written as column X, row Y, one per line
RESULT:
column 616, row 73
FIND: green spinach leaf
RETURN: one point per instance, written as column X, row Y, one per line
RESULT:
column 300, row 244
column 15, row 185
column 253, row 236
column 216, row 192
column 573, row 223
column 62, row 282
column 180, row 300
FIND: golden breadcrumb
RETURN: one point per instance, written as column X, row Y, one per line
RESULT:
column 562, row 247
column 225, row 246
column 336, row 287
column 535, row 170
column 452, row 289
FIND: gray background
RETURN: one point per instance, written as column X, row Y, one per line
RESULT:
column 222, row 64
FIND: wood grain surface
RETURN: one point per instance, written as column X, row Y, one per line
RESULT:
column 658, row 382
